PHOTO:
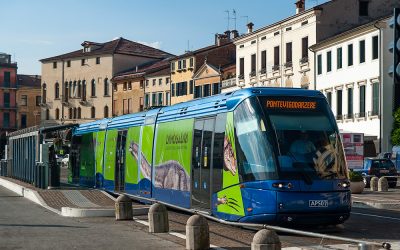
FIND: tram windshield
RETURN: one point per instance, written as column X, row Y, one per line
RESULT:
column 308, row 142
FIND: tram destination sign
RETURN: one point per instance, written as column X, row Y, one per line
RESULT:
column 291, row 105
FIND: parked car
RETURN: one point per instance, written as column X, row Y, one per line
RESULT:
column 378, row 167
column 65, row 161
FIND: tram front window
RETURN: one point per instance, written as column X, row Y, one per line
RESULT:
column 309, row 146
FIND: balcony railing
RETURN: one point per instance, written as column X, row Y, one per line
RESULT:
column 7, row 106
column 228, row 83
column 348, row 116
column 288, row 64
column 360, row 115
column 263, row 71
column 304, row 60
column 275, row 67
column 339, row 117
column 373, row 113
column 241, row 76
column 252, row 73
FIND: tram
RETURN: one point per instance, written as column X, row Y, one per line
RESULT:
column 256, row 155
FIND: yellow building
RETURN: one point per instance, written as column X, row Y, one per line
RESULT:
column 183, row 67
column 28, row 101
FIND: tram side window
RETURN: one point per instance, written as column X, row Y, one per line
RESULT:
column 218, row 152
column 254, row 151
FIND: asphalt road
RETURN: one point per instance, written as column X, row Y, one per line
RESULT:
column 26, row 225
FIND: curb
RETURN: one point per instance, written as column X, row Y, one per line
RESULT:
column 366, row 204
column 85, row 212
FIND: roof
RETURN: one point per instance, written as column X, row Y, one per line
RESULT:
column 116, row 46
column 144, row 69
column 198, row 51
column 195, row 108
column 29, row 80
column 347, row 32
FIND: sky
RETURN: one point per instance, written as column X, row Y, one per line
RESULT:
column 33, row 30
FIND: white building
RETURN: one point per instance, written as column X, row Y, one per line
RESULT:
column 348, row 71
column 277, row 55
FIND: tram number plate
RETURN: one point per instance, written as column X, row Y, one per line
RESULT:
column 318, row 203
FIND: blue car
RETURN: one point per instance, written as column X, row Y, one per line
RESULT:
column 378, row 167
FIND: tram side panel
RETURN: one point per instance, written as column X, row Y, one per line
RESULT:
column 99, row 147
column 172, row 162
column 109, row 159
column 132, row 159
column 87, row 160
column 145, row 160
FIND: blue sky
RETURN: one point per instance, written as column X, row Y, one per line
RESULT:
column 33, row 30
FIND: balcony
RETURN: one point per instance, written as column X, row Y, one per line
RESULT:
column 8, row 85
column 373, row 113
column 303, row 60
column 339, row 117
column 228, row 83
column 263, row 71
column 360, row 115
column 275, row 68
column 288, row 65
column 241, row 77
column 348, row 116
column 252, row 73
column 8, row 106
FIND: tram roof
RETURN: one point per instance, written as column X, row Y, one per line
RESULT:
column 195, row 108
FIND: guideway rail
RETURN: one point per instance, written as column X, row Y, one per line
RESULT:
column 362, row 243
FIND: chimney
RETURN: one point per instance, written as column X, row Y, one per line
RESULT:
column 300, row 6
column 221, row 39
column 250, row 27
column 228, row 34
column 235, row 33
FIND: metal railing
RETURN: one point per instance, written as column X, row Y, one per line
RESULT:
column 384, row 245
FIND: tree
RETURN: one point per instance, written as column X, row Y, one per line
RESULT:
column 396, row 128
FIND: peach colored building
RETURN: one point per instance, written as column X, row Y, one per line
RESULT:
column 28, row 101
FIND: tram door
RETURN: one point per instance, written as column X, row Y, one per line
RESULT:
column 120, row 162
column 201, row 163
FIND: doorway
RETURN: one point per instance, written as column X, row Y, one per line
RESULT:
column 119, row 175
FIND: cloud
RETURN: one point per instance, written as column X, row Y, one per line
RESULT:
column 156, row 45
column 36, row 42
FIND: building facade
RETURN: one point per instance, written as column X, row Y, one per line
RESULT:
column 349, row 73
column 8, row 105
column 76, row 87
column 184, row 67
column 278, row 55
column 28, row 100
column 158, row 87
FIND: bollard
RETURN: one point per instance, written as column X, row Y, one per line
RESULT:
column 123, row 208
column 383, row 185
column 373, row 183
column 266, row 240
column 365, row 246
column 197, row 233
column 158, row 219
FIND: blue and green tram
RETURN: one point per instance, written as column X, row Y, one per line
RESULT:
column 260, row 155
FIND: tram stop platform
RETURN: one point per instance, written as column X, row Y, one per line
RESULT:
column 389, row 200
column 68, row 200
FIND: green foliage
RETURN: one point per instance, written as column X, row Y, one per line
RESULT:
column 355, row 176
column 396, row 128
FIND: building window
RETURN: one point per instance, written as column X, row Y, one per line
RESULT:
column 304, row 23
column 93, row 112
column 57, row 114
column 349, row 103
column 362, row 51
column 191, row 62
column 68, row 63
column 288, row 54
column 84, row 90
column 147, row 83
column 38, row 100
column 75, row 89
column 129, row 105
column 253, row 65
column 24, row 100
column 6, row 120
column 191, row 87
column 79, row 112
column 141, row 104
column 146, row 100
column 241, row 68
column 329, row 98
column 173, row 66
column 362, row 101
column 79, row 89
column 141, row 84
column 350, row 55
column 375, row 98
column 160, row 81
column 153, row 99
column 276, row 58
column 184, row 63
column 304, row 47
column 263, row 62
column 197, row 92
column 172, row 89
column 93, row 94
column 160, row 99
column 375, row 47
column 44, row 92
column 56, row 90
column 215, row 88
column 339, row 58
column 106, row 87
column 125, row 85
column 319, row 64
column 179, row 65
column 167, row 81
column 70, row 89
column 363, row 7
column 124, row 106
column 47, row 114
column 206, row 90
column 329, row 61
column 97, row 60
column 7, row 79
column 181, row 88
column 129, row 85
column 54, row 65
column 6, row 100
column 339, row 103
column 75, row 113
column 23, row 120
column 154, row 82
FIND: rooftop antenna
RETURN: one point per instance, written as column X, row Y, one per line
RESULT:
column 188, row 46
column 227, row 11
column 247, row 18
column 234, row 17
